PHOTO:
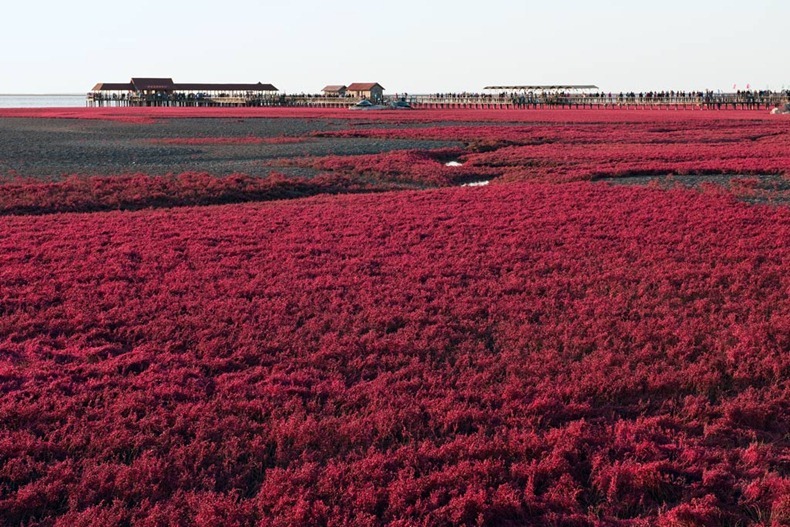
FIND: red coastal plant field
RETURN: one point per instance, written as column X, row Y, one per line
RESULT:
column 140, row 191
column 544, row 351
column 556, row 153
column 522, row 354
column 396, row 116
column 500, row 153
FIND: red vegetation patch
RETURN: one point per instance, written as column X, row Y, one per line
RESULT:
column 522, row 354
column 681, row 129
column 570, row 354
column 420, row 168
column 552, row 153
column 140, row 191
column 338, row 174
column 399, row 116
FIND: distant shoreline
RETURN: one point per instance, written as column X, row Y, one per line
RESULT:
column 41, row 94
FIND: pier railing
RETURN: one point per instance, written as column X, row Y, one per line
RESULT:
column 182, row 100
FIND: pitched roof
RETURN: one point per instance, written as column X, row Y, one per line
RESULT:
column 334, row 88
column 143, row 84
column 139, row 84
column 113, row 86
column 364, row 86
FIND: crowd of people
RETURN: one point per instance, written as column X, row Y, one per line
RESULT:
column 753, row 99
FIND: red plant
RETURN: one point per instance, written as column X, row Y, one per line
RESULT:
column 140, row 191
column 585, row 151
column 544, row 351
column 398, row 116
column 517, row 354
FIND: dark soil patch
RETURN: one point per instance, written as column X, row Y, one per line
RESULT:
column 763, row 188
column 49, row 149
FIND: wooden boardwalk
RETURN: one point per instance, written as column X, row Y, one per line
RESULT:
column 581, row 101
column 733, row 101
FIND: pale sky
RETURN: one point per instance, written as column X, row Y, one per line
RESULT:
column 414, row 46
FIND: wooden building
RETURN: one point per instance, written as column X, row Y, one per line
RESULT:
column 145, row 91
column 372, row 91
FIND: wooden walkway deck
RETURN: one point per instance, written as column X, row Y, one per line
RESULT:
column 546, row 101
column 712, row 102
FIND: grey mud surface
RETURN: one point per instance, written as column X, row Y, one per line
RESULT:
column 49, row 149
column 775, row 186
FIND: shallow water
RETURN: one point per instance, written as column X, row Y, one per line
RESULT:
column 42, row 101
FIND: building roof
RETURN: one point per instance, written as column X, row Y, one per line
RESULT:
column 364, row 86
column 223, row 87
column 113, row 86
column 334, row 88
column 138, row 84
column 147, row 83
column 549, row 87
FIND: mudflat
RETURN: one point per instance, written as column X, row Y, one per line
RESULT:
column 49, row 149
